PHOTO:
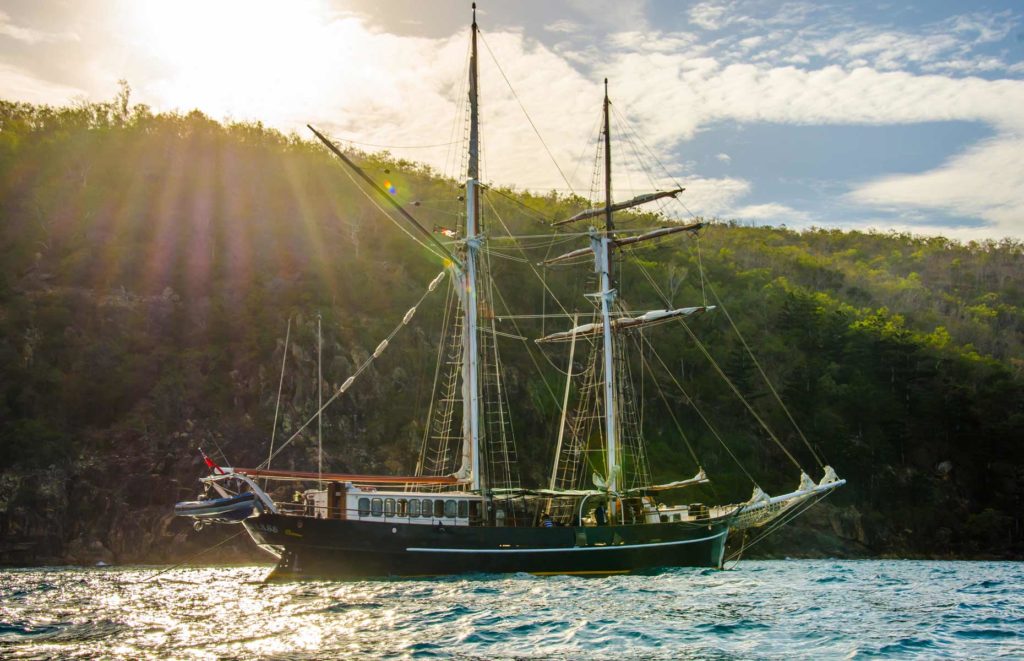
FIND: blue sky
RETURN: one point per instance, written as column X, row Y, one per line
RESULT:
column 884, row 115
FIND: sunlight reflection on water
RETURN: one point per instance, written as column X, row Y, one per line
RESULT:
column 781, row 609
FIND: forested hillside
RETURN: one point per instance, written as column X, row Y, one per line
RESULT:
column 149, row 265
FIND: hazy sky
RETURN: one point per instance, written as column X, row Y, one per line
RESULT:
column 892, row 115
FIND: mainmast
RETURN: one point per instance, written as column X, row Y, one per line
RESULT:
column 603, row 264
column 470, row 305
column 608, row 226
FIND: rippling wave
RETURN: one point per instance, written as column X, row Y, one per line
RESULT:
column 769, row 610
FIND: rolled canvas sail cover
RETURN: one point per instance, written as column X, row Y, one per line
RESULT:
column 699, row 478
column 651, row 318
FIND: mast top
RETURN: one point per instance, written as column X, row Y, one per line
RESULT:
column 474, row 15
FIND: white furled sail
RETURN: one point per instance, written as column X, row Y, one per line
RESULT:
column 699, row 478
column 651, row 318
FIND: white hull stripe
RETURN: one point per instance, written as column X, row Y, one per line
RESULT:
column 571, row 549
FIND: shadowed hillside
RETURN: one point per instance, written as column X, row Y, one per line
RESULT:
column 150, row 265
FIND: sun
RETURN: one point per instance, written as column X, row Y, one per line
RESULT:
column 230, row 58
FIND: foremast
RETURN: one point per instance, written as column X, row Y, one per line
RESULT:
column 602, row 244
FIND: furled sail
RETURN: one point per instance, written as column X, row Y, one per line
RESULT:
column 636, row 201
column 624, row 323
column 699, row 478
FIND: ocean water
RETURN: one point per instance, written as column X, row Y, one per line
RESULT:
column 760, row 610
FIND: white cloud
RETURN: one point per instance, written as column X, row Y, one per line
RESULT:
column 563, row 26
column 986, row 182
column 29, row 36
column 793, row 32
column 614, row 14
column 18, row 84
column 989, row 28
column 675, row 98
column 713, row 197
column 772, row 212
column 711, row 15
column 672, row 96
column 917, row 225
column 332, row 70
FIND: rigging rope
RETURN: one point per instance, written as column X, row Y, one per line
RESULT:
column 643, row 144
column 661, row 393
column 672, row 178
column 546, row 288
column 714, row 363
column 280, row 385
column 783, row 520
column 446, row 316
column 461, row 113
column 370, row 144
column 693, row 403
column 374, row 202
column 535, row 212
column 523, row 108
column 595, row 136
column 366, row 363
column 529, row 263
column 765, row 377
column 739, row 395
column 703, row 279
column 511, row 258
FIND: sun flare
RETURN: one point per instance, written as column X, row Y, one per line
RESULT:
column 223, row 56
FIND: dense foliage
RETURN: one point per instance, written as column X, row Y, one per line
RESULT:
column 151, row 264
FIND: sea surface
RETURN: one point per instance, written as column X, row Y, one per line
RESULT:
column 759, row 610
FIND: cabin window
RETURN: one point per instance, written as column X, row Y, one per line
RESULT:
column 414, row 507
column 451, row 508
column 474, row 510
column 376, row 507
column 364, row 507
column 402, row 507
column 389, row 507
column 438, row 509
column 463, row 509
column 425, row 508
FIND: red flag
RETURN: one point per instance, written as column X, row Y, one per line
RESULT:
column 444, row 231
column 211, row 464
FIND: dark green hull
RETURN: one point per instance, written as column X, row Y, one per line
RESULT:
column 327, row 548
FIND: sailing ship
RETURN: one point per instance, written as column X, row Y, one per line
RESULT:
column 462, row 511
